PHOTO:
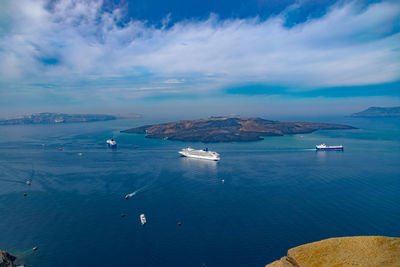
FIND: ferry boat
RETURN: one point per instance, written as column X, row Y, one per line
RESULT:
column 199, row 154
column 143, row 219
column 325, row 147
column 111, row 143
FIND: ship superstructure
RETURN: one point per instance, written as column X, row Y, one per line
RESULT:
column 143, row 219
column 111, row 143
column 325, row 147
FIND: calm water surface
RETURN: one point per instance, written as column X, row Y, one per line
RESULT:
column 278, row 193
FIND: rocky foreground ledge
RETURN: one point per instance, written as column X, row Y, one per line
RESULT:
column 379, row 251
column 7, row 260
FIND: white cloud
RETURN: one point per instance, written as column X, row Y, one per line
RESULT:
column 347, row 46
column 174, row 81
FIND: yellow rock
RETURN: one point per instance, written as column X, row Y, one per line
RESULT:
column 362, row 251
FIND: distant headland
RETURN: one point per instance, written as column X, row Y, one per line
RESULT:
column 379, row 112
column 229, row 129
column 56, row 118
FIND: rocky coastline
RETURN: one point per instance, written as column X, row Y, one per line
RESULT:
column 56, row 118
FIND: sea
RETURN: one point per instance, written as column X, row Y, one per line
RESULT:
column 261, row 199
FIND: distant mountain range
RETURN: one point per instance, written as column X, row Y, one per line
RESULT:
column 56, row 118
column 228, row 129
column 379, row 112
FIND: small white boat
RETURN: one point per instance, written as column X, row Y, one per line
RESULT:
column 143, row 219
column 111, row 143
column 128, row 196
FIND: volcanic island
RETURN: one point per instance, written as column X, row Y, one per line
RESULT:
column 229, row 129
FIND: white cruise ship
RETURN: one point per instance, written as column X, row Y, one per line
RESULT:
column 199, row 154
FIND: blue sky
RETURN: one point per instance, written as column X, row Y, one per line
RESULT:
column 247, row 57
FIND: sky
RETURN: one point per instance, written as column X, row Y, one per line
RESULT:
column 209, row 57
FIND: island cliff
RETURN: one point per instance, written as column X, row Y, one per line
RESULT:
column 229, row 129
column 344, row 251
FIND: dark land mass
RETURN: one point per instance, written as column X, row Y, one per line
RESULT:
column 379, row 112
column 7, row 260
column 229, row 129
column 56, row 118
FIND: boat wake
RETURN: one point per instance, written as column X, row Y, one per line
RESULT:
column 28, row 181
column 140, row 190
column 11, row 181
column 130, row 195
column 147, row 187
column 25, row 254
column 32, row 174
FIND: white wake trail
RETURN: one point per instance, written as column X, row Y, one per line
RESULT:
column 140, row 189
column 131, row 194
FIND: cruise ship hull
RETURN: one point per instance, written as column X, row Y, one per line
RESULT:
column 330, row 148
column 198, row 156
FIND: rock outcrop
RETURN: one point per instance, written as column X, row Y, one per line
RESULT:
column 6, row 259
column 374, row 251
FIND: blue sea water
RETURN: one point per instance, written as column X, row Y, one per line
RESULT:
column 278, row 193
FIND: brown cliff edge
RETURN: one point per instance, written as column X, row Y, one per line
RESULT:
column 379, row 251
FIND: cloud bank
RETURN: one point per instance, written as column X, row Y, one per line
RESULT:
column 76, row 47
